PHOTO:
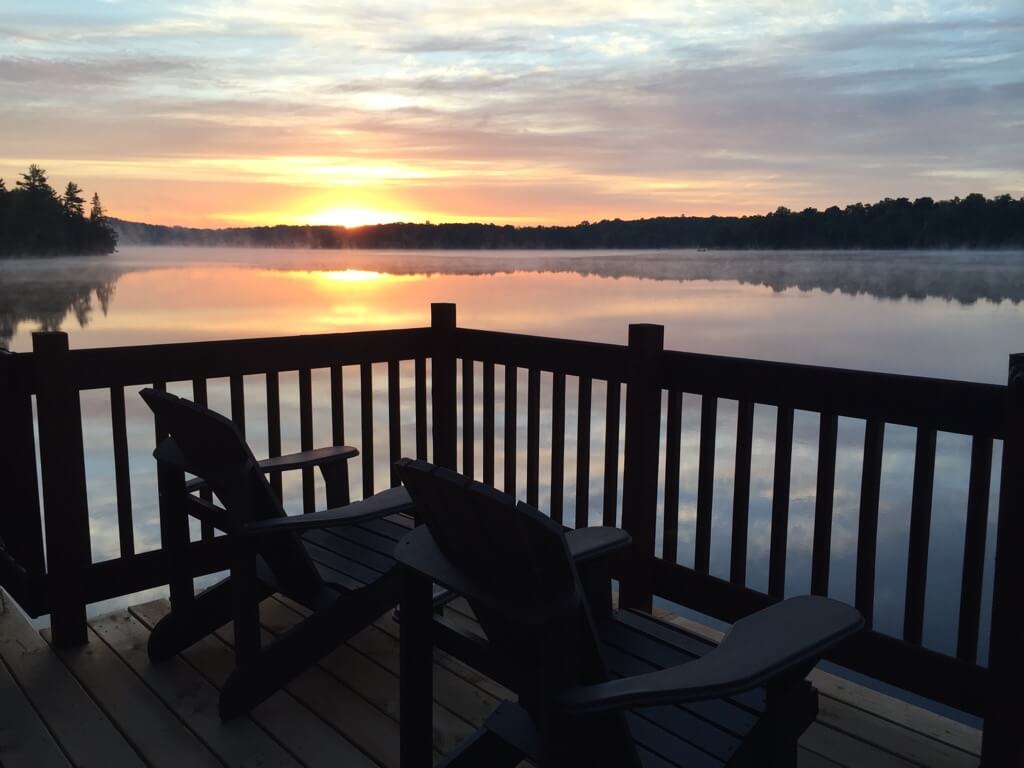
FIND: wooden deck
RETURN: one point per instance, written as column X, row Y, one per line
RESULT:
column 104, row 704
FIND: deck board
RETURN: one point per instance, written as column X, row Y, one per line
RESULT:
column 344, row 710
column 311, row 740
column 24, row 738
column 888, row 724
column 77, row 724
column 135, row 710
column 192, row 698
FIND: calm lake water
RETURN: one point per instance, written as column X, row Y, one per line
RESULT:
column 945, row 314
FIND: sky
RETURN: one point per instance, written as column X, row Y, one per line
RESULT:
column 230, row 113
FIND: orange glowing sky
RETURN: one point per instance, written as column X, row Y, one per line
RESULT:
column 223, row 113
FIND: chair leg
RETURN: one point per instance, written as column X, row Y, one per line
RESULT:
column 416, row 666
column 189, row 623
column 245, row 602
column 272, row 666
column 791, row 706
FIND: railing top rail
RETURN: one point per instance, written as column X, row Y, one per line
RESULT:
column 121, row 366
column 963, row 407
column 951, row 406
column 578, row 358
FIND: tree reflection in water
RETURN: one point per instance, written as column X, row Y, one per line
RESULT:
column 48, row 298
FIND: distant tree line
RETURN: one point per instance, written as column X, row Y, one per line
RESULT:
column 970, row 222
column 37, row 221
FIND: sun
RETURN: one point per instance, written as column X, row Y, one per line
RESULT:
column 352, row 217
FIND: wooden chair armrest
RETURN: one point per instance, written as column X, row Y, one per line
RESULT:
column 381, row 504
column 783, row 638
column 313, row 458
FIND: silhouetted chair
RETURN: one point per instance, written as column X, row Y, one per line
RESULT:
column 618, row 689
column 267, row 552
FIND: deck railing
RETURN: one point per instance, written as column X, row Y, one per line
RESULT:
column 461, row 432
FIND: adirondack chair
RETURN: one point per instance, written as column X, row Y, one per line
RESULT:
column 553, row 647
column 268, row 554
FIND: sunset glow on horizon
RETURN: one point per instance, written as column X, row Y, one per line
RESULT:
column 217, row 113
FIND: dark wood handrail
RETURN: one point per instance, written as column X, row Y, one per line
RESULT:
column 962, row 407
column 568, row 356
column 139, row 365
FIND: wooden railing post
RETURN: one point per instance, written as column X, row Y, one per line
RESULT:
column 22, row 563
column 62, row 459
column 640, row 463
column 1004, row 706
column 442, row 384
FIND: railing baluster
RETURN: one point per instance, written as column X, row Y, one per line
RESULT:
column 613, row 401
column 974, row 548
column 337, row 406
column 199, row 392
column 511, row 398
column 920, row 527
column 828, row 429
column 338, row 486
column 273, row 425
column 122, row 477
column 741, row 493
column 780, row 502
column 394, row 419
column 366, row 423
column 306, row 436
column 238, row 402
column 420, row 374
column 673, row 437
column 705, row 482
column 867, row 525
column 468, row 424
column 532, row 436
column 557, row 446
column 488, row 426
column 583, row 453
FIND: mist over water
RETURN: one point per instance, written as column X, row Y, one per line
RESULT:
column 932, row 313
column 44, row 290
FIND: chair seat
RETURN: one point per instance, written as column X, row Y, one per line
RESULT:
column 705, row 733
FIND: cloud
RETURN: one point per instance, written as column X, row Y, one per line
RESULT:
column 727, row 106
column 73, row 72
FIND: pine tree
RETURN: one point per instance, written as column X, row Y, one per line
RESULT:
column 73, row 202
column 3, row 187
column 97, row 213
column 34, row 180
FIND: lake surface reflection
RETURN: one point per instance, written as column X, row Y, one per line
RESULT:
column 951, row 315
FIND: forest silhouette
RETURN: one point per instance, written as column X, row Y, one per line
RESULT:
column 971, row 222
column 37, row 221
